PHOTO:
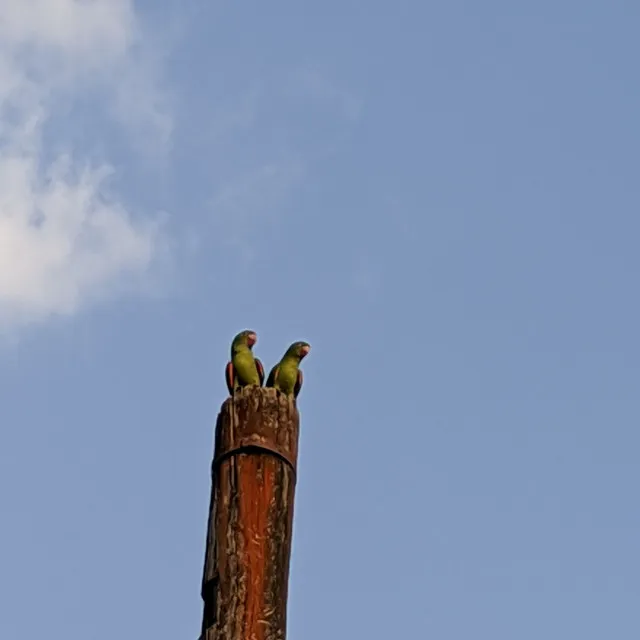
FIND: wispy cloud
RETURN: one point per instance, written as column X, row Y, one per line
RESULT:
column 288, row 123
column 240, row 207
column 65, row 238
column 365, row 276
column 323, row 90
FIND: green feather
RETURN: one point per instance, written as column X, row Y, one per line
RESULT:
column 285, row 375
column 243, row 360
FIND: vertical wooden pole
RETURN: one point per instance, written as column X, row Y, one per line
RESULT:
column 246, row 570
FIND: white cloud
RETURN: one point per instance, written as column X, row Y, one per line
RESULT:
column 64, row 239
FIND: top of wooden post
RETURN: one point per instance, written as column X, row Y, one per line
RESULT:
column 258, row 419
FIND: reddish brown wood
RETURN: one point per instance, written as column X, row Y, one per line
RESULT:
column 246, row 572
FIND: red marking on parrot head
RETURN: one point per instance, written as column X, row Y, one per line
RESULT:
column 304, row 349
column 252, row 338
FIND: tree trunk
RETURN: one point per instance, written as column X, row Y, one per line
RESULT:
column 246, row 570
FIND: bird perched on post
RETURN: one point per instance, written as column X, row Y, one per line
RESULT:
column 286, row 375
column 244, row 369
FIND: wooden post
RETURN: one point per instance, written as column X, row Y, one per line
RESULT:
column 246, row 570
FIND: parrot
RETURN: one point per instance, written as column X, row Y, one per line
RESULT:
column 243, row 369
column 286, row 375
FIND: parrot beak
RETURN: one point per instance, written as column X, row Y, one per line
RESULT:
column 252, row 338
column 304, row 350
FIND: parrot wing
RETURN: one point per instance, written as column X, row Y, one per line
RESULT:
column 298, row 385
column 260, row 369
column 271, row 380
column 229, row 374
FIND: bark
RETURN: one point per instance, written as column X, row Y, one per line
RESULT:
column 246, row 572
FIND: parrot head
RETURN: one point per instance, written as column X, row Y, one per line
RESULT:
column 299, row 350
column 245, row 338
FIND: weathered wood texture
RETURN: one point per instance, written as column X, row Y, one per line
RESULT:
column 246, row 570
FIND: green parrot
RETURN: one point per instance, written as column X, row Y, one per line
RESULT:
column 244, row 369
column 286, row 375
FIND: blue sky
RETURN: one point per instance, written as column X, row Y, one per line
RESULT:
column 442, row 198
